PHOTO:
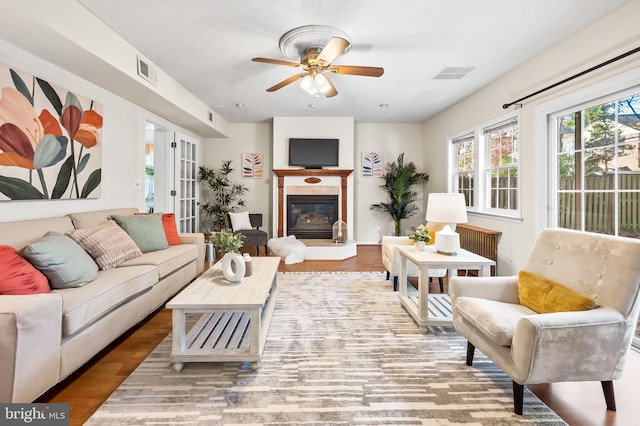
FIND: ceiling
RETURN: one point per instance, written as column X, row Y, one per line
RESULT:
column 207, row 46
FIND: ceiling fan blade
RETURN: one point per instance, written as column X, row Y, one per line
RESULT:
column 356, row 70
column 332, row 89
column 286, row 82
column 276, row 62
column 333, row 49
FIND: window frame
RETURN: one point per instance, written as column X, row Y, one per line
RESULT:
column 552, row 189
column 482, row 159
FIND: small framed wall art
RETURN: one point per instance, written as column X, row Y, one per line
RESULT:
column 252, row 165
column 371, row 164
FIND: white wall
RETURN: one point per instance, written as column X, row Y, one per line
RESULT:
column 341, row 128
column 312, row 127
column 606, row 39
column 390, row 140
column 73, row 49
column 254, row 138
column 121, row 144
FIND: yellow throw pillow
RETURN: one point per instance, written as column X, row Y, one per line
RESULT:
column 432, row 234
column 544, row 295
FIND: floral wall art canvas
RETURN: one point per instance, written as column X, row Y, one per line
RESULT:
column 371, row 164
column 50, row 140
column 252, row 165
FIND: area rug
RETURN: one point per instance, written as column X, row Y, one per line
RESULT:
column 341, row 351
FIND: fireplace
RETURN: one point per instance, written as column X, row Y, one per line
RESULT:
column 311, row 216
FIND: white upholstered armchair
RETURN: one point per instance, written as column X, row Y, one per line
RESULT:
column 531, row 347
column 391, row 261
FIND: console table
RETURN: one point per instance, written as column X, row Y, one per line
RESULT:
column 433, row 309
column 233, row 319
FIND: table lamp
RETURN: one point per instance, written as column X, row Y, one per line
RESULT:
column 449, row 209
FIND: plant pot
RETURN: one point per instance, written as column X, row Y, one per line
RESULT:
column 233, row 267
column 420, row 245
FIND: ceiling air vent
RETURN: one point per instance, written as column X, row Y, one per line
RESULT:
column 453, row 73
column 146, row 71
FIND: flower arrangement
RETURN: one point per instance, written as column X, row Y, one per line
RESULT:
column 422, row 234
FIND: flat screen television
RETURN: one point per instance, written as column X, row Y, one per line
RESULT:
column 313, row 153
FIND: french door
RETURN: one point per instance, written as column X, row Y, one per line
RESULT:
column 171, row 171
column 185, row 192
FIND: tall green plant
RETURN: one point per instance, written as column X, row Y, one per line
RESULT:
column 399, row 179
column 227, row 196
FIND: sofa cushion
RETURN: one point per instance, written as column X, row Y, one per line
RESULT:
column 19, row 234
column 168, row 260
column 88, row 219
column 170, row 229
column 18, row 275
column 107, row 243
column 146, row 230
column 545, row 296
column 83, row 306
column 62, row 260
column 496, row 320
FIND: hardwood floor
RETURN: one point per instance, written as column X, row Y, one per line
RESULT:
column 577, row 403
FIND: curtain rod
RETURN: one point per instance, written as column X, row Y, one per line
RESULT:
column 617, row 58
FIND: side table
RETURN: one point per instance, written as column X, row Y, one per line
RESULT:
column 433, row 309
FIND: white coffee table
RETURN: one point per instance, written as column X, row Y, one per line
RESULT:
column 434, row 309
column 234, row 318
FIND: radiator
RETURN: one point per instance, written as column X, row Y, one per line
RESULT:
column 480, row 241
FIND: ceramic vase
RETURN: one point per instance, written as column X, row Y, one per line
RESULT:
column 233, row 267
column 419, row 245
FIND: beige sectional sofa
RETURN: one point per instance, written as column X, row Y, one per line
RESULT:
column 46, row 337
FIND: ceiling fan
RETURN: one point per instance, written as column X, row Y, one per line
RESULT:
column 316, row 63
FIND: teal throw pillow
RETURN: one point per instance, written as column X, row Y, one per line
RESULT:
column 61, row 260
column 145, row 229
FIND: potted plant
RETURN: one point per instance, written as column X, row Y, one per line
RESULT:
column 399, row 179
column 227, row 242
column 227, row 196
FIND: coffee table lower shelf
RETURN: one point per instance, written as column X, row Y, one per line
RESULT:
column 438, row 308
column 222, row 336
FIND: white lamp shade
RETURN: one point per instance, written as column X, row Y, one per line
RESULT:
column 446, row 208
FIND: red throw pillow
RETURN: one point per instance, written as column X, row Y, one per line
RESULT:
column 18, row 275
column 170, row 229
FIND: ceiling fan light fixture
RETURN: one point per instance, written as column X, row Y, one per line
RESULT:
column 307, row 83
column 320, row 82
column 316, row 53
column 315, row 84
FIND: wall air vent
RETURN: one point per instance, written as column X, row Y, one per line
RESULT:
column 453, row 73
column 146, row 71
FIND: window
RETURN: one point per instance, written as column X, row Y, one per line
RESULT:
column 465, row 176
column 486, row 167
column 502, row 166
column 596, row 155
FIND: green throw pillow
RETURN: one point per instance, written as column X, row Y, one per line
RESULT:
column 543, row 295
column 145, row 229
column 61, row 260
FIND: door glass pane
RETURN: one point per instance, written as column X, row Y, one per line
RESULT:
column 188, row 185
